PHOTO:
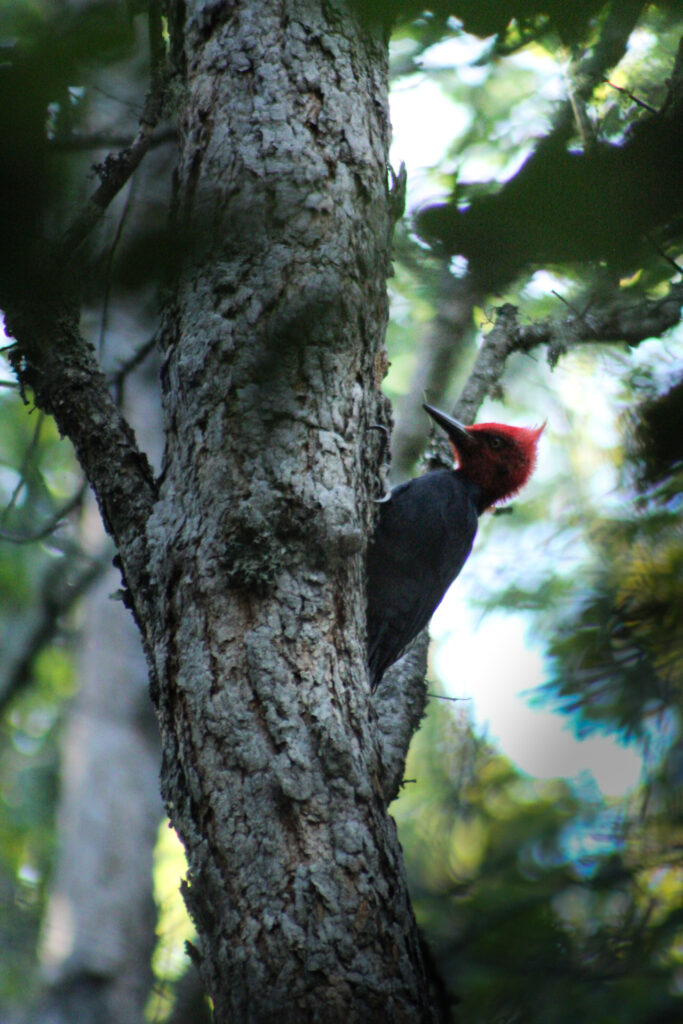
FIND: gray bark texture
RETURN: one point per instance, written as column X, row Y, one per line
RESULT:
column 272, row 771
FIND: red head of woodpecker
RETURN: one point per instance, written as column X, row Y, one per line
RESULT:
column 425, row 530
column 497, row 457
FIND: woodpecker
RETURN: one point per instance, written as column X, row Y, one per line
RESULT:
column 426, row 528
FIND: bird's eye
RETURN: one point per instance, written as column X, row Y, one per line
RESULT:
column 495, row 442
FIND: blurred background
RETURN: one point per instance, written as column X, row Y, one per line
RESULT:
column 541, row 815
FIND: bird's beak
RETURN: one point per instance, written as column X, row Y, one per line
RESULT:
column 457, row 431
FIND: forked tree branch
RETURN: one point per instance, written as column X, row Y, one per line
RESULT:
column 53, row 359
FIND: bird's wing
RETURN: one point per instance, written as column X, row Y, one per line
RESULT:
column 423, row 538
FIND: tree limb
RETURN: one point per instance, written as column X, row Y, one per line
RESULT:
column 53, row 359
column 115, row 171
column 62, row 585
column 629, row 323
column 49, row 525
column 73, row 142
column 399, row 705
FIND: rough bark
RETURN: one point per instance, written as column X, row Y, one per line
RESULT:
column 271, row 770
column 246, row 570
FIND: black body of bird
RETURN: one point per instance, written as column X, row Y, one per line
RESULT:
column 426, row 528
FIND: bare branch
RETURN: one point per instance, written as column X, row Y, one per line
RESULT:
column 50, row 525
column 25, row 463
column 63, row 583
column 108, row 140
column 116, row 378
column 399, row 704
column 629, row 324
column 58, row 364
column 115, row 172
column 632, row 96
column 54, row 360
column 665, row 256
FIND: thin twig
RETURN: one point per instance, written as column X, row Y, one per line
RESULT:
column 104, row 320
column 631, row 96
column 566, row 302
column 442, row 696
column 116, row 378
column 50, row 526
column 665, row 256
column 108, row 140
column 114, row 173
column 28, row 455
column 61, row 586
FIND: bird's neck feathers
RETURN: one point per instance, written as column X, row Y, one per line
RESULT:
column 499, row 459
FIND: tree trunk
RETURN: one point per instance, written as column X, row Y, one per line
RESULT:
column 271, row 771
